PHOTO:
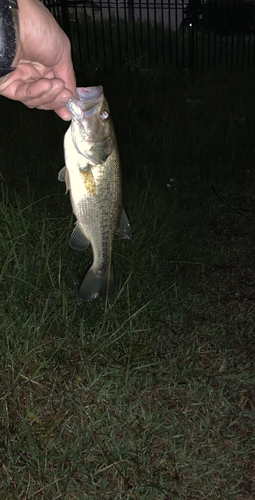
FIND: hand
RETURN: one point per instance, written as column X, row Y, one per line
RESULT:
column 44, row 76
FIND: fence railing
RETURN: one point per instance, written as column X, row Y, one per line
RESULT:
column 196, row 36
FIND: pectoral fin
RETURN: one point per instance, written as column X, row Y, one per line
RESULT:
column 124, row 232
column 78, row 240
column 63, row 176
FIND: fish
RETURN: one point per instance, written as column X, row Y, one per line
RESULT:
column 92, row 174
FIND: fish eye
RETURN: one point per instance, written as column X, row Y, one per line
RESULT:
column 104, row 115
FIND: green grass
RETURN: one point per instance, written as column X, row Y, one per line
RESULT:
column 151, row 395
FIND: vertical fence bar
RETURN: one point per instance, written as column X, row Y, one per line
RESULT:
column 110, row 31
column 176, row 35
column 196, row 48
column 232, row 45
column 134, row 30
column 126, row 31
column 64, row 17
column 214, row 47
column 118, row 30
column 220, row 24
column 155, row 31
column 203, row 36
column 209, row 32
column 169, row 32
column 191, row 47
column 86, row 35
column 226, row 46
column 141, row 25
column 250, row 12
column 77, row 28
column 148, row 31
column 253, row 56
column 243, row 51
column 183, row 38
column 131, row 22
column 237, row 47
column 103, row 34
column 162, row 32
column 95, row 33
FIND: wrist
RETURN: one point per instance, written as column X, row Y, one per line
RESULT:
column 9, row 34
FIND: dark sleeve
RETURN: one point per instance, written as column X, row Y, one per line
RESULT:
column 8, row 34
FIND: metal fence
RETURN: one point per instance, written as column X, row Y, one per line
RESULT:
column 195, row 36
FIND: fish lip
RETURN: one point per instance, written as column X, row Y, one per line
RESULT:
column 90, row 93
column 88, row 97
column 87, row 101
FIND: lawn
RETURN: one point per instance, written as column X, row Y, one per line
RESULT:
column 150, row 395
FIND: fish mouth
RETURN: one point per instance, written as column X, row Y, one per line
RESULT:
column 90, row 93
column 87, row 102
column 88, row 97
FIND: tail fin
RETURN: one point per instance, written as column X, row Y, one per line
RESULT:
column 97, row 285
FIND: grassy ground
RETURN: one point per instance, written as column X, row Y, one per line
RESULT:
column 150, row 396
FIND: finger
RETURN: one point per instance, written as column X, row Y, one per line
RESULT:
column 33, row 96
column 63, row 113
column 36, row 91
column 47, row 102
column 26, row 72
column 41, row 91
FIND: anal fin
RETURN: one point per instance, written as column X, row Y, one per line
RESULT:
column 124, row 232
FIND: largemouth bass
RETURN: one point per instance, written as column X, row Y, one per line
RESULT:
column 92, row 174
